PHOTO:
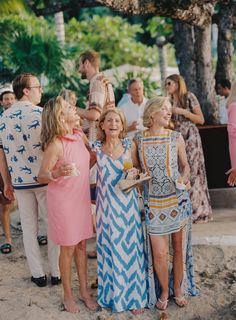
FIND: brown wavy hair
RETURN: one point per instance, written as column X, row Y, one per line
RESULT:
column 100, row 133
column 182, row 91
column 52, row 124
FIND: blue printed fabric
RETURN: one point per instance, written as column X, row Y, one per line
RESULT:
column 122, row 278
column 20, row 128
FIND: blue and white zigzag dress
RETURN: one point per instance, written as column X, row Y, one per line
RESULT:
column 122, row 278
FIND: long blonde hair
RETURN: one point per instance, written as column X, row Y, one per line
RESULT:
column 101, row 134
column 182, row 91
column 232, row 95
column 152, row 106
column 52, row 122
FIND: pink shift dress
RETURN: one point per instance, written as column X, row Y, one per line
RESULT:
column 231, row 126
column 68, row 200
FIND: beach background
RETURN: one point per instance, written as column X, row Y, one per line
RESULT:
column 215, row 270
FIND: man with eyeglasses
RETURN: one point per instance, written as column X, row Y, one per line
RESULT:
column 20, row 153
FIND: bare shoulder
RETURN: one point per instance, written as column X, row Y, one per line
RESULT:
column 55, row 147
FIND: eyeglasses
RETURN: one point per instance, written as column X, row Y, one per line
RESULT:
column 168, row 83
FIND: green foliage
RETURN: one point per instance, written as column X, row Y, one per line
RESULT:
column 120, row 88
column 86, row 13
column 12, row 6
column 13, row 25
column 113, row 38
column 159, row 26
column 71, row 81
column 29, row 45
column 36, row 53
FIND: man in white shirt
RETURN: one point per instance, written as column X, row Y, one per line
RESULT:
column 134, row 108
column 223, row 89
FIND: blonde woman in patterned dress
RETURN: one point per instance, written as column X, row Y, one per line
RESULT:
column 169, row 209
column 186, row 114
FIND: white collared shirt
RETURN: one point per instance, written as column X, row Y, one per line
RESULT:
column 134, row 112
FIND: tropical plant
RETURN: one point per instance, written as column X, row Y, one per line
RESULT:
column 12, row 6
column 114, row 39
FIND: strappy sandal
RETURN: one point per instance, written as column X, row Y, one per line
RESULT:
column 42, row 240
column 6, row 248
column 164, row 304
column 180, row 301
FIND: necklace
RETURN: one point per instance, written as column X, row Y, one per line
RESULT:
column 111, row 150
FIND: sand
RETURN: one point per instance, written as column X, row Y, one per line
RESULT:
column 215, row 268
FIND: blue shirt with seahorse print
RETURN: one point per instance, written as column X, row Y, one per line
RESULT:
column 20, row 128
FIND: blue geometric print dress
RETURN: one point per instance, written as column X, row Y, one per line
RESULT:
column 122, row 278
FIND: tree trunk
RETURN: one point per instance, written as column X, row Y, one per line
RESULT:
column 162, row 57
column 204, row 74
column 193, row 55
column 185, row 54
column 60, row 27
column 224, row 47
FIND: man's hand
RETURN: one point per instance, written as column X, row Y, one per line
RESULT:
column 133, row 126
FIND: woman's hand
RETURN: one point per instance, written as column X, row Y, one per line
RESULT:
column 132, row 173
column 64, row 170
column 187, row 184
column 232, row 177
column 179, row 111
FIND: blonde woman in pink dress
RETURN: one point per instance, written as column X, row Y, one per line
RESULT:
column 65, row 167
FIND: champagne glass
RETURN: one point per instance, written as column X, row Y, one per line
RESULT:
column 127, row 162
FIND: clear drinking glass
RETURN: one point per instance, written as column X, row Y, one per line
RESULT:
column 127, row 161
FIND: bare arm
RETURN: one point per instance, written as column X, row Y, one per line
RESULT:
column 196, row 116
column 8, row 189
column 182, row 156
column 47, row 173
column 91, row 114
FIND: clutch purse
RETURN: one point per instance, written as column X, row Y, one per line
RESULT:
column 127, row 184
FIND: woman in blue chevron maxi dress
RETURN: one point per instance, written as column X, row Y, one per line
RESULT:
column 122, row 276
column 161, row 152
